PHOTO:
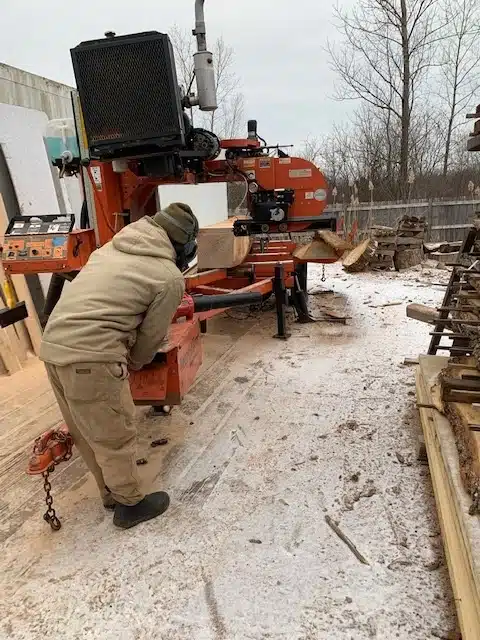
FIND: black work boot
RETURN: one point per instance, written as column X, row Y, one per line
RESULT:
column 150, row 507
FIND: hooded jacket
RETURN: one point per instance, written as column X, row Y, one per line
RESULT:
column 120, row 306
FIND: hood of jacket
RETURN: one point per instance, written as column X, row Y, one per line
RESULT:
column 145, row 238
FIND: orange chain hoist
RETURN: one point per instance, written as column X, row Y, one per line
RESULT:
column 50, row 449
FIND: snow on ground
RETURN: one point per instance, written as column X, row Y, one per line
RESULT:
column 274, row 437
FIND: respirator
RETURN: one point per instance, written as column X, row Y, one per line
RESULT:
column 185, row 254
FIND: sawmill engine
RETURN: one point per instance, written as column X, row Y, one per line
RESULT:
column 134, row 110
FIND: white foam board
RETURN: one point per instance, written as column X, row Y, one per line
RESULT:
column 208, row 201
column 21, row 137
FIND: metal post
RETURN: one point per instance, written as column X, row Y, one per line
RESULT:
column 299, row 297
column 301, row 271
column 55, row 289
column 280, row 302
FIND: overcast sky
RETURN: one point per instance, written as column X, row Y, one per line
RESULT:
column 279, row 48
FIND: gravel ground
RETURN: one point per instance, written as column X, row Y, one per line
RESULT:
column 274, row 437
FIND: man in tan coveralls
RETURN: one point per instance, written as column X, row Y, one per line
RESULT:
column 112, row 317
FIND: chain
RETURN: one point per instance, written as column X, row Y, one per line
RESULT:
column 50, row 516
column 324, row 277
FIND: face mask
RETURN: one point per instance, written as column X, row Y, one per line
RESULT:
column 185, row 254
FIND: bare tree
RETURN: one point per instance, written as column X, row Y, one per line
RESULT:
column 311, row 149
column 230, row 120
column 227, row 120
column 386, row 50
column 184, row 48
column 460, row 64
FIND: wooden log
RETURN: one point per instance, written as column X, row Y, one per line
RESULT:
column 408, row 258
column 422, row 313
column 218, row 248
column 359, row 258
column 333, row 240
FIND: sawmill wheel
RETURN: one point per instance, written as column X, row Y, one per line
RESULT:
column 206, row 142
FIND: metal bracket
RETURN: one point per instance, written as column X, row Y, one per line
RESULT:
column 16, row 314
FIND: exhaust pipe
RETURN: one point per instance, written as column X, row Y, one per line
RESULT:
column 203, row 63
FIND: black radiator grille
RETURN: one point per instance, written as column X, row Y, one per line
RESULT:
column 128, row 90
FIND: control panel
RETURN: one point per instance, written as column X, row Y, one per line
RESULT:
column 37, row 238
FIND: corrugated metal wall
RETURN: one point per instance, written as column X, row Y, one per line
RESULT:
column 24, row 89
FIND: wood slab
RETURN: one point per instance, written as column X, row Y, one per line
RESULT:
column 460, row 531
column 333, row 240
column 422, row 313
column 218, row 248
column 317, row 249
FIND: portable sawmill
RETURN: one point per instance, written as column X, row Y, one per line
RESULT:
column 132, row 133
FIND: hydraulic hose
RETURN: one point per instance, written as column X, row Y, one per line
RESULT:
column 207, row 303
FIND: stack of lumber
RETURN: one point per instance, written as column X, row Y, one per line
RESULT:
column 451, row 427
column 409, row 245
column 386, row 238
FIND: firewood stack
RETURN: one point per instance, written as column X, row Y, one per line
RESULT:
column 386, row 239
column 410, row 239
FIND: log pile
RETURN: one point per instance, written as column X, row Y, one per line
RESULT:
column 386, row 238
column 401, row 248
column 409, row 245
